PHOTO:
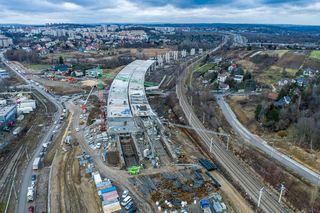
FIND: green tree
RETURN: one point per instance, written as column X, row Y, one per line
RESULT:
column 61, row 61
column 247, row 76
column 258, row 111
column 273, row 114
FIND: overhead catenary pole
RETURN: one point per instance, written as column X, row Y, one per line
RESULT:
column 260, row 196
column 26, row 150
column 228, row 140
column 14, row 189
column 203, row 117
column 211, row 143
column 281, row 192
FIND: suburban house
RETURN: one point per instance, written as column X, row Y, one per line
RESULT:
column 285, row 100
column 94, row 72
column 223, row 86
column 301, row 81
column 283, row 82
column 61, row 68
column 77, row 73
column 310, row 72
column 223, row 77
column 232, row 67
column 272, row 96
column 238, row 78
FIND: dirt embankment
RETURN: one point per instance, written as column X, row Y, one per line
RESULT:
column 72, row 190
column 301, row 195
column 244, row 108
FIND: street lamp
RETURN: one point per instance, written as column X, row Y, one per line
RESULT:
column 211, row 143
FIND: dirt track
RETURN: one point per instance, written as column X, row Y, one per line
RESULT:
column 71, row 189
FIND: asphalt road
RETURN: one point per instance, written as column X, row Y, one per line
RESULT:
column 240, row 174
column 26, row 181
column 262, row 145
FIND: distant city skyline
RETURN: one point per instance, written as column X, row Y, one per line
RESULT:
column 160, row 11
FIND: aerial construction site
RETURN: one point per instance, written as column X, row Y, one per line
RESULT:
column 187, row 120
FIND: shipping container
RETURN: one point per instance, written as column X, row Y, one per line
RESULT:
column 103, row 185
column 208, row 165
column 115, row 207
column 97, row 178
column 110, row 196
column 110, row 189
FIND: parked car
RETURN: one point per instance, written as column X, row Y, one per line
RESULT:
column 125, row 193
column 133, row 209
column 98, row 145
column 31, row 209
column 34, row 177
column 129, row 205
column 126, row 200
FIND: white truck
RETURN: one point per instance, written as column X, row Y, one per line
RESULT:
column 30, row 194
column 36, row 163
column 17, row 131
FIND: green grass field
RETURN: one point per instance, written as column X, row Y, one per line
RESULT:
column 270, row 76
column 37, row 66
column 315, row 54
column 205, row 68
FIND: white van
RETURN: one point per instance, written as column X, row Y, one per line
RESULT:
column 126, row 200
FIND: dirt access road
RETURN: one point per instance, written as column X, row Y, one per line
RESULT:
column 119, row 177
column 71, row 189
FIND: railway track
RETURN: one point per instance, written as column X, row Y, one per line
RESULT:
column 6, row 185
column 246, row 179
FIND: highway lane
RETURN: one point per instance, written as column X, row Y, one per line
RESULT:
column 238, row 172
column 26, row 181
column 262, row 145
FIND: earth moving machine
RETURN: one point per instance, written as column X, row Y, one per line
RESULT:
column 134, row 170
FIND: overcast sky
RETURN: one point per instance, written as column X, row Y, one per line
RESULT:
column 164, row 11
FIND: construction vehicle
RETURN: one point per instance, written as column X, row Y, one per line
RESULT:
column 71, row 80
column 134, row 170
column 84, row 105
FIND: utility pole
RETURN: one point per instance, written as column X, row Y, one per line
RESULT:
column 27, row 153
column 281, row 192
column 228, row 139
column 203, row 117
column 14, row 189
column 211, row 142
column 260, row 196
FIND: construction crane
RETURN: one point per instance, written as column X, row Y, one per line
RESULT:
column 84, row 105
